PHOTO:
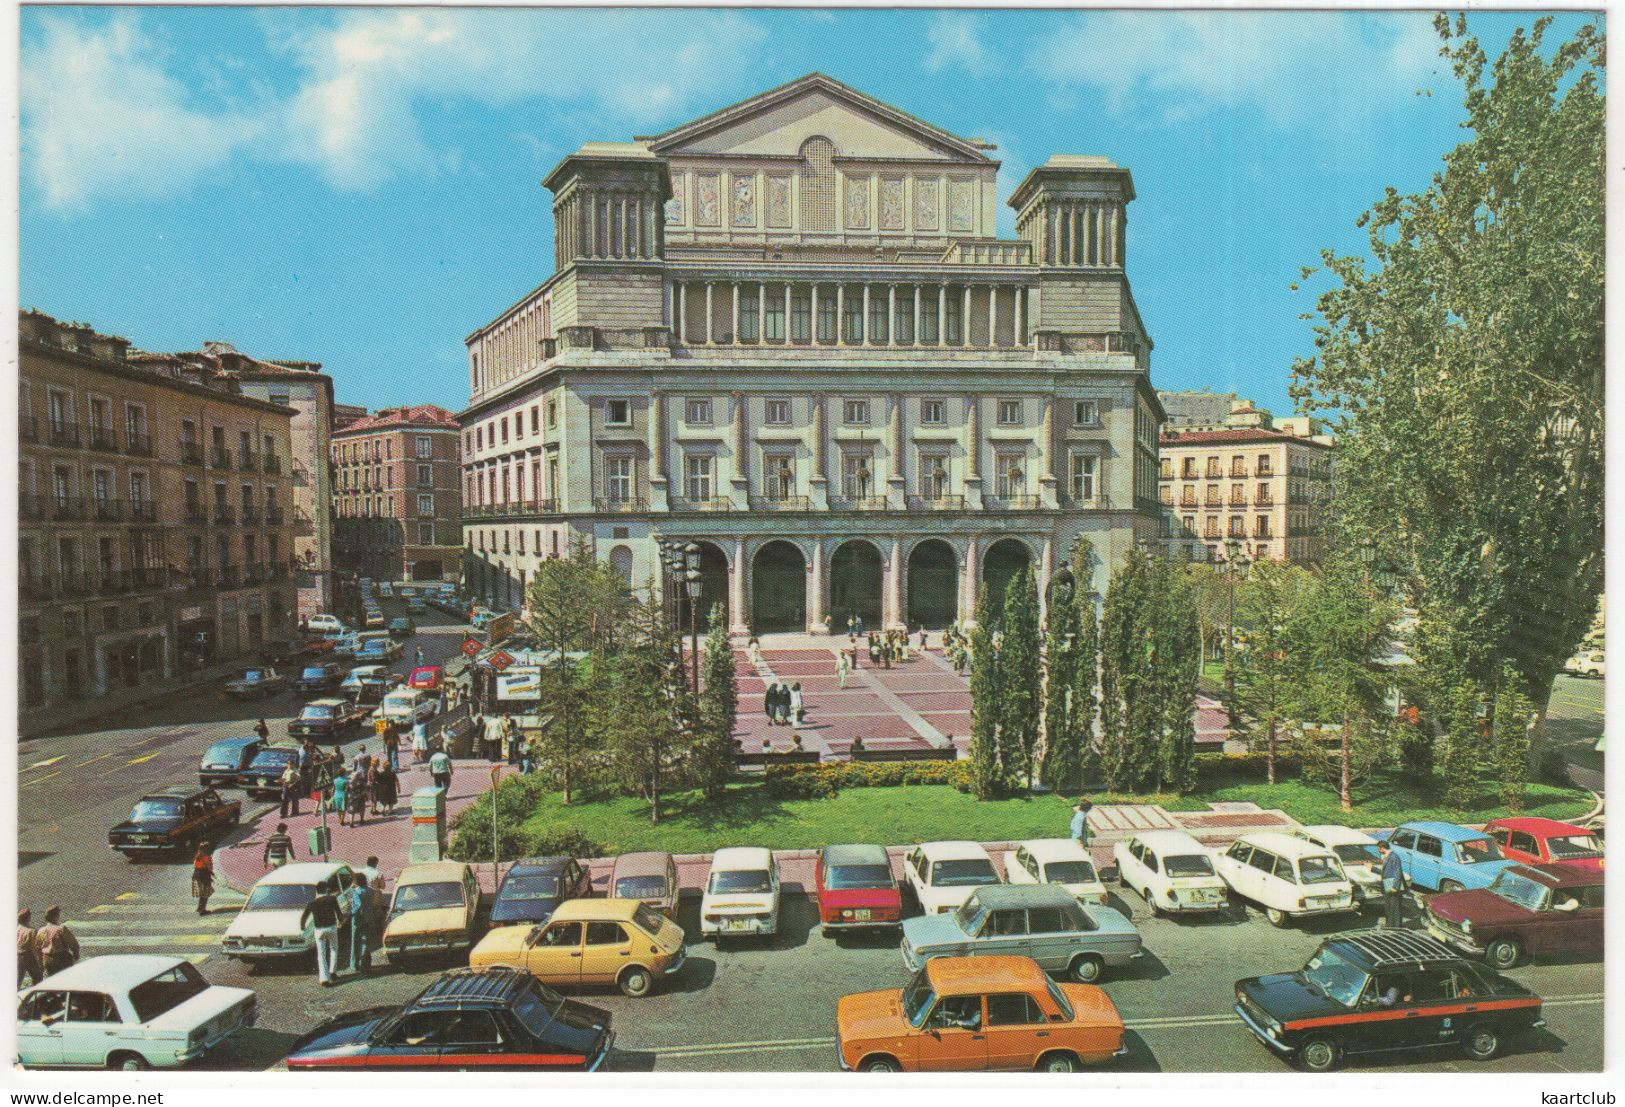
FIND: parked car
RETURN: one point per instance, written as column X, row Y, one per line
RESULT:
column 368, row 684
column 407, row 706
column 324, row 622
column 127, row 1011
column 176, row 818
column 1358, row 853
column 1172, row 871
column 432, row 911
column 741, row 894
column 352, row 643
column 328, row 720
column 426, row 677
column 223, row 762
column 1527, row 911
column 256, row 683
column 1290, row 878
column 374, row 619
column 313, row 679
column 534, row 887
column 1546, row 841
column 415, row 605
column 590, row 941
column 491, row 1021
column 1592, row 663
column 975, row 1014
column 1444, row 857
column 942, row 875
column 1062, row 861
column 856, row 889
column 648, row 877
column 1370, row 991
column 378, row 651
column 268, row 926
column 1041, row 921
column 402, row 627
column 262, row 779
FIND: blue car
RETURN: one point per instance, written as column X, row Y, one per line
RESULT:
column 1444, row 857
column 224, row 761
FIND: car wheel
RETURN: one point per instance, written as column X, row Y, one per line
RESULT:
column 1448, row 886
column 1276, row 916
column 1483, row 1042
column 1059, row 1061
column 636, row 982
column 1086, row 968
column 1151, row 902
column 1504, row 953
column 128, row 1062
column 1318, row 1055
column 879, row 1063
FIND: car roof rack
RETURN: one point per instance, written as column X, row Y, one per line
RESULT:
column 1384, row 948
column 470, row 986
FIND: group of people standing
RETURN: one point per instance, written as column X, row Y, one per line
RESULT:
column 348, row 923
column 370, row 783
column 43, row 951
column 502, row 739
column 783, row 704
column 956, row 647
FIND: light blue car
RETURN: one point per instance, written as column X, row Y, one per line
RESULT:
column 1445, row 857
column 1041, row 921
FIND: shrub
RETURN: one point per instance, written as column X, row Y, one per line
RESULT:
column 1249, row 764
column 825, row 781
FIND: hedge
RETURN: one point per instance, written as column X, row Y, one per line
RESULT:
column 826, row 780
column 517, row 799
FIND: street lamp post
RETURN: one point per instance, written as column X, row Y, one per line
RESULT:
column 692, row 579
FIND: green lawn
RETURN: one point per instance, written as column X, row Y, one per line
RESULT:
column 930, row 812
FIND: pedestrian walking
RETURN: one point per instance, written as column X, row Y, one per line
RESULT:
column 420, row 655
column 859, row 623
column 796, row 708
column 359, row 792
column 323, row 915
column 420, row 742
column 362, row 905
column 292, row 783
column 754, row 652
column 374, row 881
column 392, row 747
column 307, row 763
column 339, row 800
column 278, row 848
column 386, row 788
column 851, row 626
column 263, row 731
column 440, row 770
column 829, row 623
column 30, row 970
column 1393, row 886
column 1080, row 822
column 58, row 948
column 923, row 646
column 770, row 699
column 525, row 755
column 202, row 877
column 843, row 669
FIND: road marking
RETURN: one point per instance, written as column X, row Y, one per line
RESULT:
column 46, row 763
column 40, row 779
column 128, row 895
column 138, row 760
column 98, row 757
column 149, row 939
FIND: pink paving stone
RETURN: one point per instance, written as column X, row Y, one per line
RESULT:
column 867, row 727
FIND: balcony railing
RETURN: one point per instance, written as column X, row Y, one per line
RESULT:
column 936, row 503
column 223, row 515
column 103, row 438
column 143, row 511
column 67, row 507
column 191, row 452
column 780, row 503
column 1238, row 472
column 1238, row 501
column 271, row 464
column 1016, row 502
column 619, row 506
column 220, row 457
column 1264, row 501
column 251, row 516
column 137, row 444
column 1213, row 473
column 225, row 576
column 196, row 515
column 28, row 428
column 111, row 582
column 1188, row 501
column 64, row 434
column 278, row 570
column 247, row 459
column 198, row 578
column 72, row 584
column 108, row 510
column 714, row 503
column 30, row 507
column 274, row 516
column 253, row 574
column 1264, row 471
column 859, row 503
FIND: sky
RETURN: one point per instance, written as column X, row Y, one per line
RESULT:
column 361, row 187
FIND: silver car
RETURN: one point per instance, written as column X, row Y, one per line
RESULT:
column 1040, row 921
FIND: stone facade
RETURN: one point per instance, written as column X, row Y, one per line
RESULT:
column 397, row 500
column 787, row 331
column 1266, row 487
column 156, row 530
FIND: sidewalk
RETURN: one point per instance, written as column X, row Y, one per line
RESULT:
column 43, row 722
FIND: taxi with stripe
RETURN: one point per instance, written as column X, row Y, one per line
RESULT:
column 1380, row 991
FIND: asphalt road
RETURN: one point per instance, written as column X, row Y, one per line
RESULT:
column 744, row 1008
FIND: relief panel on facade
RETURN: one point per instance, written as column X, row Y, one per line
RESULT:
column 674, row 206
column 706, row 201
column 857, row 203
column 961, row 205
column 891, row 204
column 926, row 205
column 778, row 201
column 744, row 200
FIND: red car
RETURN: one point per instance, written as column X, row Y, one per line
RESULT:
column 426, row 677
column 1528, row 911
column 1546, row 842
column 856, row 889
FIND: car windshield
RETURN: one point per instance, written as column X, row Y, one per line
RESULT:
column 917, row 999
column 1574, row 845
column 316, row 711
column 428, row 897
column 1335, row 977
column 647, row 918
column 314, row 672
column 740, row 880
column 1069, row 872
column 841, row 877
column 399, row 703
column 273, row 759
column 970, row 916
column 253, row 674
column 1191, row 864
column 1358, row 853
column 223, row 752
column 1529, row 894
column 166, row 991
column 1476, row 850
column 280, row 897
column 530, row 887
column 1319, row 870
column 156, row 809
column 963, row 874
column 641, row 887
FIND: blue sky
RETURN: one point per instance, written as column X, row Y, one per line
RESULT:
column 360, row 187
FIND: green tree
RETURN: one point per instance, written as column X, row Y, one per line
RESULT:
column 1267, row 602
column 984, row 702
column 1060, row 760
column 1128, row 750
column 1175, row 665
column 1462, row 757
column 1510, row 738
column 718, row 711
column 1464, row 366
column 1021, row 676
column 1211, row 603
column 634, row 711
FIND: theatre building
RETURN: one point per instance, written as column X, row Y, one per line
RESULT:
column 788, row 332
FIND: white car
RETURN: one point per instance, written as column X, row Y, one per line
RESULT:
column 1172, row 871
column 1288, row 877
column 267, row 925
column 127, row 1011
column 741, row 894
column 407, row 705
column 1590, row 663
column 1358, row 852
column 324, row 622
column 361, row 674
column 1061, row 861
column 944, row 874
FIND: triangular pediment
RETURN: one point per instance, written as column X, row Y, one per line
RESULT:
column 778, row 123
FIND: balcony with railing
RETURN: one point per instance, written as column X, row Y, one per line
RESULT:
column 67, row 507
column 137, row 444
column 253, row 574
column 220, row 457
column 274, row 516
column 73, row 583
column 143, row 511
column 103, row 439
column 858, row 503
column 780, row 503
column 64, row 434
column 198, row 578
column 1238, row 471
column 251, row 515
column 28, row 428
column 223, row 515
column 196, row 514
column 1187, row 500
column 225, row 576
column 1238, row 501
column 1264, row 501
column 1017, row 501
column 617, row 506
column 936, row 503
column 108, row 510
column 34, row 587
column 711, row 503
column 191, row 452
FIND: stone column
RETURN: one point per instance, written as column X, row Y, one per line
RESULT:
column 741, row 477
column 681, row 322
column 892, row 616
column 964, row 318
column 891, row 315
column 1047, row 484
column 868, row 327
column 736, row 590
column 894, row 470
column 992, row 315
column 788, row 341
column 942, row 314
column 970, row 581
column 735, row 285
column 812, row 315
column 1021, row 315
column 973, row 453
column 916, row 336
column 818, row 488
column 710, row 315
column 840, row 315
column 659, row 482
column 761, row 313
column 815, row 589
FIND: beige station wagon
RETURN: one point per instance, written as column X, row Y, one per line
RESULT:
column 432, row 910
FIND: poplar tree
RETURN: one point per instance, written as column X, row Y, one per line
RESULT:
column 1267, row 601
column 1510, row 738
column 1464, row 748
column 1021, row 678
column 1175, row 667
column 984, row 702
column 718, row 710
column 1061, row 752
column 1127, row 754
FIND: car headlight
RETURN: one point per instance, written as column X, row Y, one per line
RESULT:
column 1466, row 926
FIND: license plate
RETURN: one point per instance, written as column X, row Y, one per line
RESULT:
column 863, row 914
column 736, row 924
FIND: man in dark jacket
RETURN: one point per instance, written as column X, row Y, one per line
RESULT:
column 1393, row 886
column 323, row 915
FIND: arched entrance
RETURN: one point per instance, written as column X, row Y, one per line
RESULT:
column 1005, row 558
column 778, row 588
column 856, row 583
column 933, row 585
column 713, row 588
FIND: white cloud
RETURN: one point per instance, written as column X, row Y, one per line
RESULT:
column 956, row 43
column 101, row 117
column 1293, row 67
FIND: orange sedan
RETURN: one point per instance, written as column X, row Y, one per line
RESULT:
column 962, row 1014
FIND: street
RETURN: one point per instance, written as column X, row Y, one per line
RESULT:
column 745, row 1008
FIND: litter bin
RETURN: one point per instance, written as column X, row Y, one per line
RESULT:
column 320, row 841
column 428, row 826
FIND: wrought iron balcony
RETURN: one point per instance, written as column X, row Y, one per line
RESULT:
column 220, row 458
column 859, row 503
column 103, row 439
column 196, row 515
column 780, row 503
column 223, row 515
column 36, row 586
column 251, row 516
column 191, row 452
column 618, row 506
column 72, row 584
column 108, row 510
column 67, row 507
column 30, row 507
column 143, row 511
column 137, row 444
column 1016, row 502
column 715, row 503
column 936, row 503
column 64, row 434
column 274, row 517
column 271, row 464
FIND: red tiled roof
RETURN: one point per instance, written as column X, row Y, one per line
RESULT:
column 419, row 415
column 1238, row 434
